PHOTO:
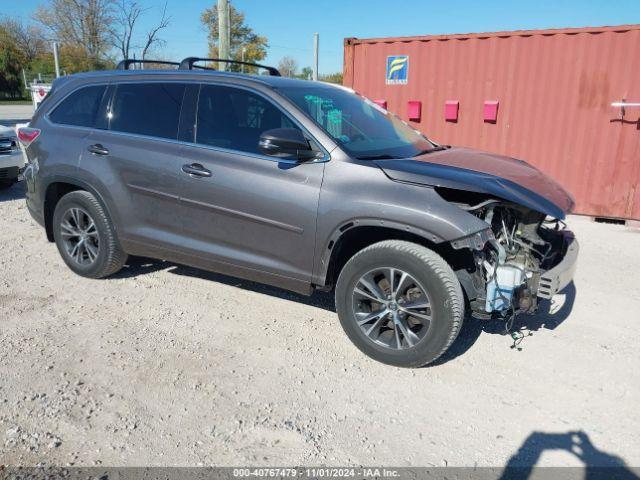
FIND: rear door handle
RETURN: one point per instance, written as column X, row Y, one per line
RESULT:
column 196, row 169
column 98, row 149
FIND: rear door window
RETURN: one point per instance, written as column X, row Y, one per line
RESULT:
column 147, row 109
column 234, row 118
column 80, row 108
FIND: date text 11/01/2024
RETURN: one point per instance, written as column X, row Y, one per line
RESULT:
column 315, row 472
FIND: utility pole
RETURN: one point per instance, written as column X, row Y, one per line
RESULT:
column 244, row 50
column 316, row 41
column 223, row 32
column 55, row 59
column 24, row 77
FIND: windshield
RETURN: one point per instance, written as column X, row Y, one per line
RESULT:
column 362, row 128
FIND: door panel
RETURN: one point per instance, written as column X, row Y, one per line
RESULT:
column 251, row 211
column 136, row 157
column 67, row 127
column 140, row 176
column 244, row 210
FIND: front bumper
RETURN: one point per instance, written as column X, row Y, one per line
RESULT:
column 10, row 165
column 554, row 280
column 9, row 173
column 12, row 159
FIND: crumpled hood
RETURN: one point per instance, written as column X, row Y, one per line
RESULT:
column 466, row 169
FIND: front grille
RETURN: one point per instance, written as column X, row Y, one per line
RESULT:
column 11, row 172
column 8, row 145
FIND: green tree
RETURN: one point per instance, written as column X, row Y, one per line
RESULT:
column 27, row 38
column 332, row 78
column 85, row 26
column 306, row 73
column 242, row 36
column 10, row 66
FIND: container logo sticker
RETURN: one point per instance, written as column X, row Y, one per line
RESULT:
column 397, row 69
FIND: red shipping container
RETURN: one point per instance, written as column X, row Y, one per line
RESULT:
column 555, row 89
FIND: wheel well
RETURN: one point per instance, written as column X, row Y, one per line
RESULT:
column 358, row 238
column 54, row 193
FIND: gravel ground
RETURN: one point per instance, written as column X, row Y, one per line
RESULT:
column 168, row 365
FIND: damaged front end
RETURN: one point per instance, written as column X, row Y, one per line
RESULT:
column 524, row 255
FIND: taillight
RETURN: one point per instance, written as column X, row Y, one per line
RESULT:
column 28, row 135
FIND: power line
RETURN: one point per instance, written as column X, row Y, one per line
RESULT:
column 308, row 50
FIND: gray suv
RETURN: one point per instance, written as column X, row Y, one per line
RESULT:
column 302, row 185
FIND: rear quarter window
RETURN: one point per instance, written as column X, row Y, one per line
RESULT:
column 80, row 108
column 151, row 109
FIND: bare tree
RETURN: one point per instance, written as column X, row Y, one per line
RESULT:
column 152, row 38
column 124, row 33
column 288, row 66
column 28, row 39
column 128, row 13
column 84, row 24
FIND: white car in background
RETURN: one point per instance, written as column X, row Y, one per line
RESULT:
column 38, row 92
column 11, row 159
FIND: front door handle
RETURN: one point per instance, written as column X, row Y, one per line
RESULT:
column 196, row 169
column 98, row 149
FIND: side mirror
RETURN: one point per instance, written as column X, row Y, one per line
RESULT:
column 286, row 143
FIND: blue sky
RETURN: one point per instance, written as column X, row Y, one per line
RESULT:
column 289, row 25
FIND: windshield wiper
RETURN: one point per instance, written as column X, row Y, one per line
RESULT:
column 431, row 150
column 383, row 156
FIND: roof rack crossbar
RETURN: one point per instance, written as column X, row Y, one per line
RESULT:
column 127, row 62
column 188, row 64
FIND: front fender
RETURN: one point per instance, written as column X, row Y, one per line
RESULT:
column 359, row 193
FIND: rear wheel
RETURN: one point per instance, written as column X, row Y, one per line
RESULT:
column 85, row 236
column 400, row 303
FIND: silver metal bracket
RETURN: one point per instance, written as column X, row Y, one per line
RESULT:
column 623, row 105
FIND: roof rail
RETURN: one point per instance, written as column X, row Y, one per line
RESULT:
column 188, row 64
column 126, row 63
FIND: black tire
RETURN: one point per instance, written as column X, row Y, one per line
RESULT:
column 430, row 271
column 6, row 184
column 110, row 257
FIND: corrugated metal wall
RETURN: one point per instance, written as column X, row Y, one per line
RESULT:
column 554, row 88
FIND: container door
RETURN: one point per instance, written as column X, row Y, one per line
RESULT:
column 627, row 155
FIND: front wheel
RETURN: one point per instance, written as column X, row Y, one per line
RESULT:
column 400, row 303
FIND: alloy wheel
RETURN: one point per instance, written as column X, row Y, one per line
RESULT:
column 392, row 308
column 80, row 236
